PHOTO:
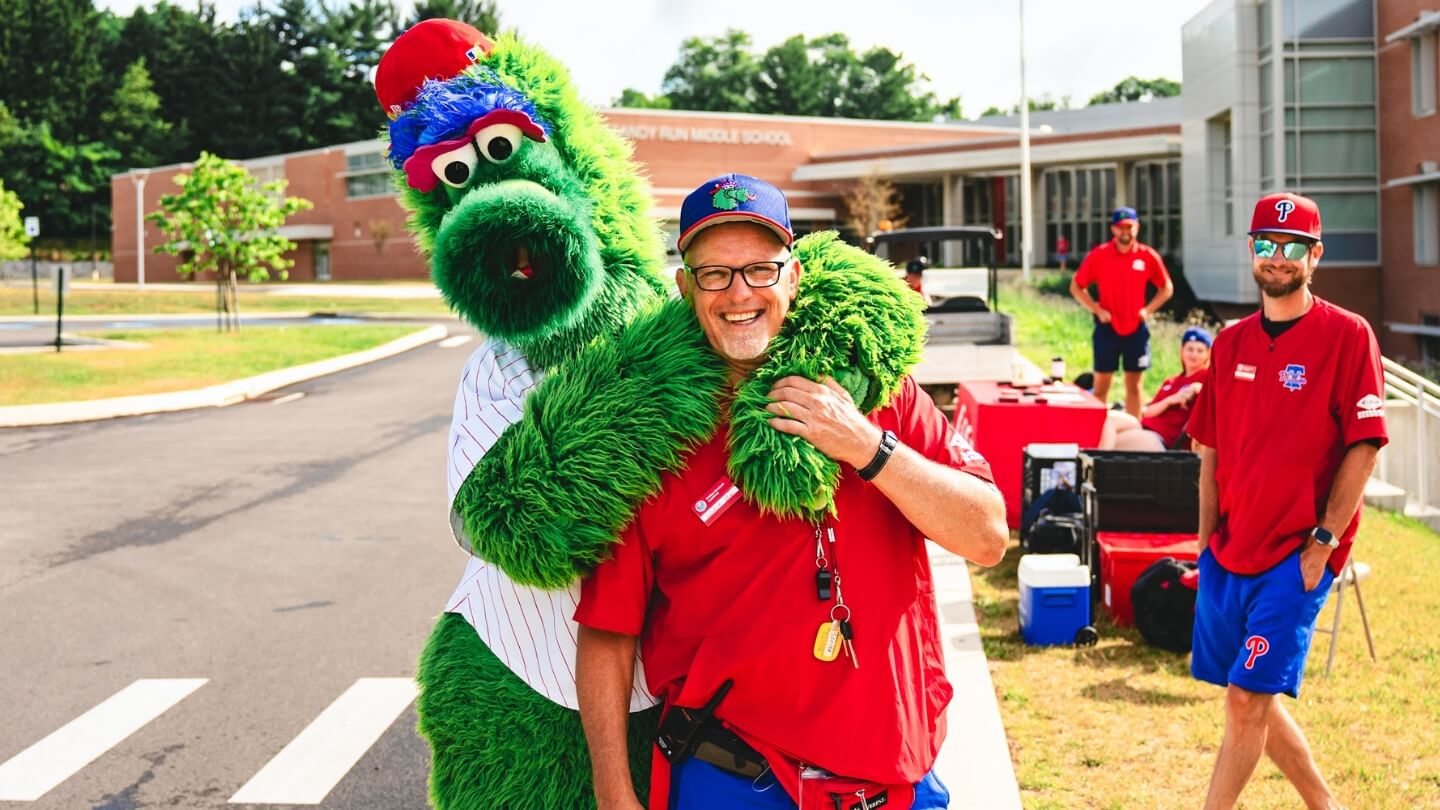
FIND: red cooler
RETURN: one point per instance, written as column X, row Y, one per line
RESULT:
column 1124, row 556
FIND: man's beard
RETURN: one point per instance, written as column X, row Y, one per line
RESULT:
column 1280, row 288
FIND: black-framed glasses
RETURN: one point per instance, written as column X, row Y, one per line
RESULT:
column 717, row 277
column 1293, row 251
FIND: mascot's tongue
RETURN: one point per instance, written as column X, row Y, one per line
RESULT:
column 523, row 268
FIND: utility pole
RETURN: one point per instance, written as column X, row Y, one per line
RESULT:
column 139, row 176
column 1027, row 213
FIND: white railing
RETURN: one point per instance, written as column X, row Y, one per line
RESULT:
column 1411, row 459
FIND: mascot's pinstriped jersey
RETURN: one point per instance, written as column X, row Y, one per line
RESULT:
column 591, row 384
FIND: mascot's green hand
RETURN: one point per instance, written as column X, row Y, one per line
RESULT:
column 549, row 499
column 854, row 320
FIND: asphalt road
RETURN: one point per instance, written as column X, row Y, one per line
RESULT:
column 282, row 550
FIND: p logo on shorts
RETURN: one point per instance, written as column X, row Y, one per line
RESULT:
column 1258, row 646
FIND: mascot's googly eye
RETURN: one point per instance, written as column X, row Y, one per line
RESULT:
column 455, row 167
column 498, row 142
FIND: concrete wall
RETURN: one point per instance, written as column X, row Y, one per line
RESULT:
column 1221, row 75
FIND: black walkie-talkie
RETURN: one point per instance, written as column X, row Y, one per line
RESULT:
column 676, row 736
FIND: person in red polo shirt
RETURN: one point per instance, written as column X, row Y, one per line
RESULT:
column 817, row 645
column 1289, row 424
column 1121, row 269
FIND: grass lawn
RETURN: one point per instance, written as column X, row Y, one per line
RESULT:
column 176, row 360
column 1049, row 325
column 18, row 301
column 1123, row 725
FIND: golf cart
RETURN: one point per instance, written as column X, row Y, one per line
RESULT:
column 962, row 300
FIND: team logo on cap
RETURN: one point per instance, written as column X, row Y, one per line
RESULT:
column 1370, row 407
column 729, row 195
column 1284, row 207
column 1293, row 377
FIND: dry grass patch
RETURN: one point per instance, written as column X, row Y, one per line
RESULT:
column 1123, row 725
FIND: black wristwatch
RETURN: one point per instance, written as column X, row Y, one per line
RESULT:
column 1324, row 537
column 888, row 442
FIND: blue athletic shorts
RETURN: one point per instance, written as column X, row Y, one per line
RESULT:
column 696, row 785
column 1110, row 348
column 1254, row 631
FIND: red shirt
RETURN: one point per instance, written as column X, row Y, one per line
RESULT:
column 1122, row 278
column 1280, row 415
column 1171, row 423
column 737, row 599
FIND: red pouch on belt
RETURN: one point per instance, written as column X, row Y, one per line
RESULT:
column 821, row 791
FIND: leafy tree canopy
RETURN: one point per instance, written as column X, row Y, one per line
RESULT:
column 1134, row 88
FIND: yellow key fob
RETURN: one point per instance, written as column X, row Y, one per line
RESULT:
column 827, row 641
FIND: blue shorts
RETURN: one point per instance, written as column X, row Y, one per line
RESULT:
column 696, row 785
column 1254, row 631
column 1109, row 348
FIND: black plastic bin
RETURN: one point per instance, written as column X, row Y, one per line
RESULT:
column 1123, row 491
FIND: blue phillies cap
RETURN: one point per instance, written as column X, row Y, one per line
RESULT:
column 1124, row 214
column 1196, row 333
column 734, row 198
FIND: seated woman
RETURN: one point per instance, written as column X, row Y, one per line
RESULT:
column 1165, row 417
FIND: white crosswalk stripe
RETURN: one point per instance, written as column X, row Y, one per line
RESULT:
column 33, row 772
column 306, row 770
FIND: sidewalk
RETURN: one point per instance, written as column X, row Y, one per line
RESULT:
column 975, row 760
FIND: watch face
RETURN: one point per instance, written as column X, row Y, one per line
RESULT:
column 1323, row 537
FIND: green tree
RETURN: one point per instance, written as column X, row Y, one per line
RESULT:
column 222, row 222
column 361, row 31
column 483, row 14
column 713, row 74
column 634, row 99
column 800, row 77
column 12, row 230
column 63, row 182
column 133, row 124
column 49, row 64
column 1133, row 88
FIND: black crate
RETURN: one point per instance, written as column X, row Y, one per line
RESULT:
column 1141, row 492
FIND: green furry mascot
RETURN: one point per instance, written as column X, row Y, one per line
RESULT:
column 592, row 382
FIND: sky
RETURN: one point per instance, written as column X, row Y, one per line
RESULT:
column 968, row 48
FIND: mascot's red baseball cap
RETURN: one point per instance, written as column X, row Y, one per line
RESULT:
column 1286, row 213
column 430, row 49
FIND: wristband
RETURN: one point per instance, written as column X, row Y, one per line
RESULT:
column 888, row 442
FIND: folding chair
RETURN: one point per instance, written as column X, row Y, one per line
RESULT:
column 1350, row 576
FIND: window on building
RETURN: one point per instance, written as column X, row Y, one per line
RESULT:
column 1155, row 195
column 1422, row 74
column 1328, row 19
column 1430, row 344
column 367, row 175
column 1222, row 175
column 1427, row 223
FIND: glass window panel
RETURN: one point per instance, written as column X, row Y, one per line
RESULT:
column 1064, row 208
column 1290, row 164
column 1323, row 153
column 1332, row 81
column 1172, row 182
column 368, row 160
column 1314, row 117
column 367, row 185
column 1351, row 247
column 1267, row 78
column 1262, row 24
column 1289, row 117
column 1289, row 81
column 1331, row 19
column 1267, row 156
column 1422, row 74
column 1426, row 197
column 1082, row 192
column 1347, row 211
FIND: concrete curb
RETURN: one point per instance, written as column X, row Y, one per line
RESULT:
column 974, row 762
column 215, row 396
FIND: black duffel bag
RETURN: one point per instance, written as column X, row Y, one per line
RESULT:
column 1055, row 534
column 1163, row 597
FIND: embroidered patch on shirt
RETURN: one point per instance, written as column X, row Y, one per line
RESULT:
column 1138, row 264
column 1293, row 377
column 1245, row 371
column 1370, row 407
column 718, row 498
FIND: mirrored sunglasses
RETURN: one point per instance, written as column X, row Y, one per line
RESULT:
column 1293, row 251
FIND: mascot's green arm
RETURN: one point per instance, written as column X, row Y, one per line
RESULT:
column 551, row 496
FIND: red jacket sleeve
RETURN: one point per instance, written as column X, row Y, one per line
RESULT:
column 1201, row 426
column 1085, row 274
column 1362, row 390
column 1159, row 276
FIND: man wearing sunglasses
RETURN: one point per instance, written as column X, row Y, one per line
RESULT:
column 1122, row 270
column 1288, row 424
column 725, row 601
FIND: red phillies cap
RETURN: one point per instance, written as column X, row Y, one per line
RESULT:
column 430, row 49
column 1286, row 213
